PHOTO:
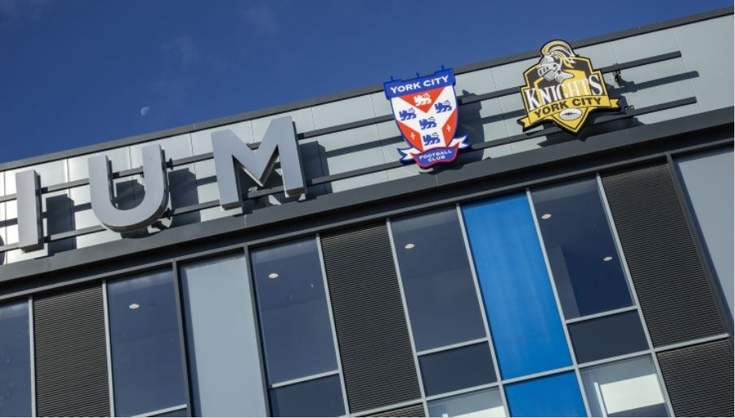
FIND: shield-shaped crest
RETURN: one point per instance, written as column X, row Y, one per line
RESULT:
column 425, row 109
column 563, row 88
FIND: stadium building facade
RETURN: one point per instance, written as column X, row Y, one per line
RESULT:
column 290, row 262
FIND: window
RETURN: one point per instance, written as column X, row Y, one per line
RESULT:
column 15, row 360
column 580, row 248
column 627, row 388
column 147, row 367
column 609, row 336
column 483, row 403
column 456, row 369
column 296, row 330
column 314, row 398
column 437, row 281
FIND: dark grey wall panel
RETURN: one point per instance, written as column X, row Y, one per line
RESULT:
column 71, row 356
column 699, row 379
column 409, row 411
column 669, row 276
column 375, row 348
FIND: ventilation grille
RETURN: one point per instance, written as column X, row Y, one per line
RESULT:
column 699, row 379
column 375, row 348
column 669, row 277
column 71, row 355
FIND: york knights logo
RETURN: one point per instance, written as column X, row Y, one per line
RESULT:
column 563, row 88
column 425, row 109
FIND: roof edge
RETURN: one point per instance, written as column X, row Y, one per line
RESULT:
column 240, row 117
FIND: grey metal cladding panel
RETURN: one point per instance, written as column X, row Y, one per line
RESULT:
column 698, row 43
column 71, row 358
column 375, row 348
column 409, row 411
column 699, row 379
column 669, row 276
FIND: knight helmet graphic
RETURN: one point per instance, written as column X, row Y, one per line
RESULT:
column 563, row 88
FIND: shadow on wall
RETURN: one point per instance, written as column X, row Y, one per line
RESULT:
column 60, row 218
column 470, row 124
column 182, row 193
column 596, row 124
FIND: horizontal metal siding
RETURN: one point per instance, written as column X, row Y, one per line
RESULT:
column 375, row 347
column 71, row 354
column 699, row 379
column 669, row 276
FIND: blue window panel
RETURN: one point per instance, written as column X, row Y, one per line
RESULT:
column 15, row 361
column 519, row 301
column 550, row 396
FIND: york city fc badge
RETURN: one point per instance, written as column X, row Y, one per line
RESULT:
column 425, row 109
column 563, row 88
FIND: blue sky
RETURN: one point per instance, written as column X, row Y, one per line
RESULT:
column 80, row 72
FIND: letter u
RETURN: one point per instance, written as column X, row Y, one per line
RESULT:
column 153, row 204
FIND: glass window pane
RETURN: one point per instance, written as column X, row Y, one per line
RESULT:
column 15, row 361
column 222, row 338
column 609, row 336
column 483, row 403
column 297, row 333
column 437, row 280
column 579, row 244
column 147, row 372
column 314, row 398
column 550, row 396
column 628, row 388
column 456, row 369
column 176, row 413
column 527, row 331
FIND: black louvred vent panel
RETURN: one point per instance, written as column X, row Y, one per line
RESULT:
column 699, row 379
column 673, row 288
column 372, row 333
column 71, row 354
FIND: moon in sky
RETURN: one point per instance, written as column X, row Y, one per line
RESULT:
column 144, row 111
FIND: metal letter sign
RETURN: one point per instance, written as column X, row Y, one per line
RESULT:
column 425, row 109
column 229, row 151
column 154, row 201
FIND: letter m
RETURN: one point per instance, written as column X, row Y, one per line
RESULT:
column 229, row 151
